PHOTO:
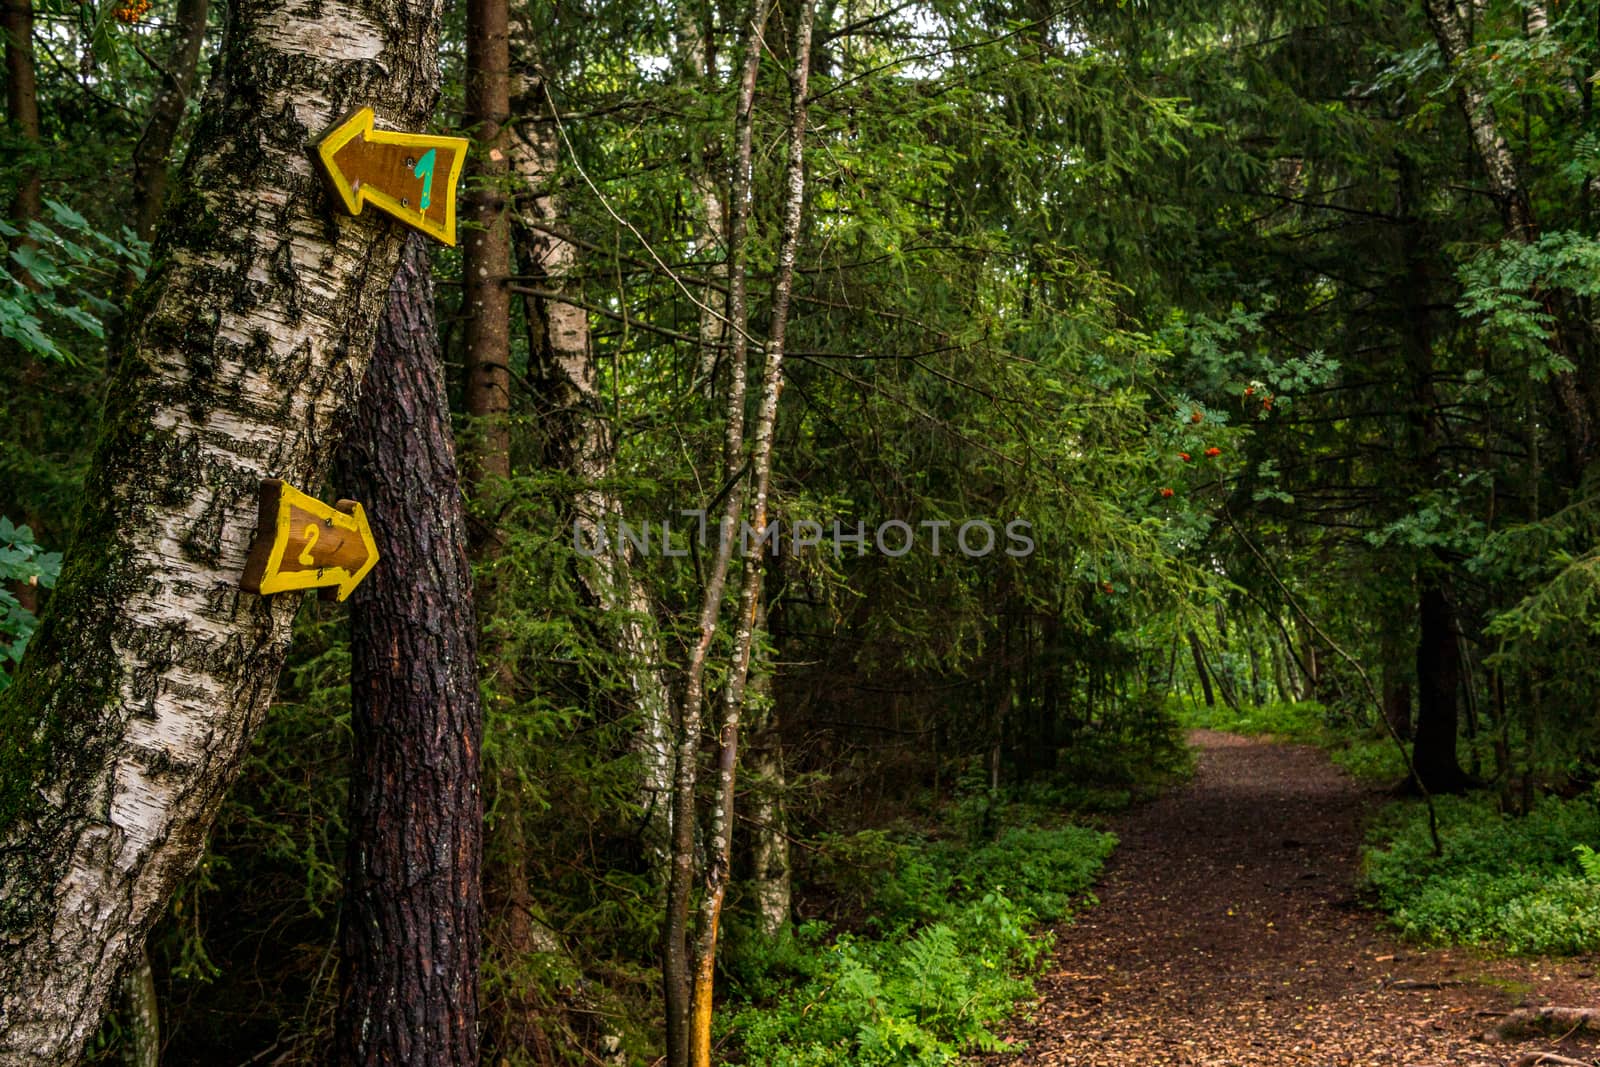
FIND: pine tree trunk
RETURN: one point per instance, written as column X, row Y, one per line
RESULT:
column 151, row 670
column 409, row 925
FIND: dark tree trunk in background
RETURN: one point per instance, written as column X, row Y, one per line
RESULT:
column 1200, row 669
column 410, row 925
column 152, row 155
column 486, row 257
column 1397, row 704
column 22, row 105
column 1438, row 678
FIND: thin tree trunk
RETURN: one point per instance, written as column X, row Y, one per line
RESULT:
column 676, row 971
column 486, row 258
column 1200, row 669
column 153, row 153
column 697, row 68
column 22, row 110
column 144, row 1013
column 409, row 925
column 771, row 884
column 131, row 714
column 486, row 303
column 720, row 831
column 578, row 439
column 1452, row 31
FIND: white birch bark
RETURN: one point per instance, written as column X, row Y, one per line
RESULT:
column 132, row 712
column 719, row 845
column 580, row 432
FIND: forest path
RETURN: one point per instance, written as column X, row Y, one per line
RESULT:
column 1227, row 935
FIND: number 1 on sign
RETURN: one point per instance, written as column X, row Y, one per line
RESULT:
column 424, row 171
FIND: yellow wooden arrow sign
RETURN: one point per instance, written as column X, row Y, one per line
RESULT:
column 302, row 543
column 412, row 176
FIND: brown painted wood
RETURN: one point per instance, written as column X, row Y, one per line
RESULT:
column 391, row 168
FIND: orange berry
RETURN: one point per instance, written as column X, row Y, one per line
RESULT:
column 1185, row 456
column 1213, row 452
column 1249, row 390
column 1107, row 588
column 1166, row 493
column 1196, row 417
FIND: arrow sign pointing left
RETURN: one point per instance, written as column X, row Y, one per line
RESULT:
column 412, row 176
column 302, row 543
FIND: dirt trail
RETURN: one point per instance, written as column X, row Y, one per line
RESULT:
column 1227, row 935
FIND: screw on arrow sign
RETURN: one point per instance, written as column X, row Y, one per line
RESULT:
column 302, row 543
column 412, row 176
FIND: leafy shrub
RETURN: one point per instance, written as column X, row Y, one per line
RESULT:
column 21, row 560
column 955, row 955
column 1523, row 884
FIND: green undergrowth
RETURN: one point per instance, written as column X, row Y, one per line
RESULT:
column 1521, row 884
column 1363, row 750
column 942, row 945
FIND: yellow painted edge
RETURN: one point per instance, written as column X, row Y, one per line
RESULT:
column 364, row 529
column 328, row 147
column 276, row 581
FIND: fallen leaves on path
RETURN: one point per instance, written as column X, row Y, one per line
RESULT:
column 1227, row 935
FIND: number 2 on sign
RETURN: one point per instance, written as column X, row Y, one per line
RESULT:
column 310, row 535
column 424, row 170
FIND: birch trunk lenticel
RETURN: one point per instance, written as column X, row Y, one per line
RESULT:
column 242, row 356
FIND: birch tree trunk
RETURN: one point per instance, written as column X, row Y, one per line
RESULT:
column 771, row 885
column 409, row 925
column 677, row 968
column 719, row 845
column 243, row 354
column 1451, row 31
column 578, row 440
column 698, row 38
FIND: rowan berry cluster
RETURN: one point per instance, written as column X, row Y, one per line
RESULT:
column 131, row 11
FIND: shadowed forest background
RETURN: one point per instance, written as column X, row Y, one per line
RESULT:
column 1275, row 322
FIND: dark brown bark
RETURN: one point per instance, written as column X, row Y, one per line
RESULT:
column 1397, row 704
column 151, row 670
column 410, row 923
column 486, row 260
column 152, row 155
column 1438, row 679
column 22, row 108
column 1200, row 669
